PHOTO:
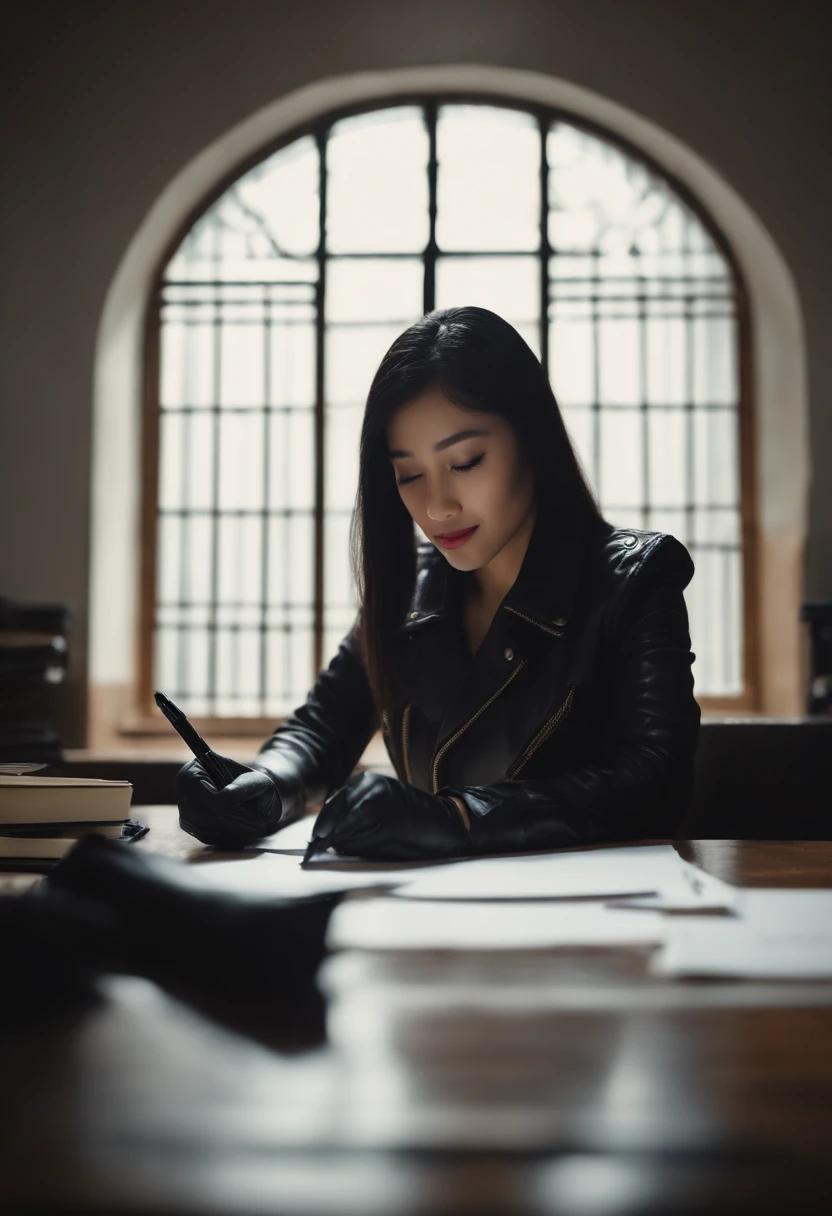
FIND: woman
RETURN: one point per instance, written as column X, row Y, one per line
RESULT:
column 532, row 676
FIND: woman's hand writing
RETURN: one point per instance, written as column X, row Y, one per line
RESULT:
column 381, row 818
column 241, row 813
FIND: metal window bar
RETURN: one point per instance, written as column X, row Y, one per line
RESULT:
column 265, row 303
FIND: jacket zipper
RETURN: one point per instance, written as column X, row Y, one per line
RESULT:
column 405, row 762
column 547, row 729
column 539, row 738
column 465, row 725
column 548, row 628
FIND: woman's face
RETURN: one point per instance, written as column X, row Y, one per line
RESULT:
column 477, row 480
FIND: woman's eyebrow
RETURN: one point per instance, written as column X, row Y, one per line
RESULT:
column 442, row 444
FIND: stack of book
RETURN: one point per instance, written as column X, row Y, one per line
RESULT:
column 41, row 818
column 33, row 660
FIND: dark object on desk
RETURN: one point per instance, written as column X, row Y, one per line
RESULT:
column 818, row 616
column 201, row 944
column 33, row 660
column 53, row 948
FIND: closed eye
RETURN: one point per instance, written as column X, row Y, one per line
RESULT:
column 458, row 468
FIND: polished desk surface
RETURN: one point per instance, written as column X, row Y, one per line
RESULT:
column 531, row 1082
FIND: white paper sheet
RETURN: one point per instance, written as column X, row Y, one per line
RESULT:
column 282, row 875
column 294, row 837
column 652, row 877
column 695, row 891
column 603, row 873
column 777, row 934
column 398, row 924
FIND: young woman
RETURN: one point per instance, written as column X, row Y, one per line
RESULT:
column 529, row 664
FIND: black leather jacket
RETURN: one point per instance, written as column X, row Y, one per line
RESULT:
column 574, row 722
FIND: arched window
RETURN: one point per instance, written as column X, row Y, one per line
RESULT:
column 274, row 310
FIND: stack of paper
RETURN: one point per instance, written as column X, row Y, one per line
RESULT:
column 577, row 898
column 616, row 896
column 777, row 934
column 397, row 924
column 652, row 876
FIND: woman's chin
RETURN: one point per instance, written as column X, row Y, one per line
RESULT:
column 462, row 559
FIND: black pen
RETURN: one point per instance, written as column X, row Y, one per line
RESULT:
column 311, row 848
column 318, row 844
column 213, row 763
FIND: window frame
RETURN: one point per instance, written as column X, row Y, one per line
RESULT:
column 144, row 720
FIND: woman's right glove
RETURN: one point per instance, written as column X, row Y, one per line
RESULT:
column 240, row 814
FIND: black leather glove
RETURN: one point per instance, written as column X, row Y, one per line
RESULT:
column 381, row 818
column 245, row 811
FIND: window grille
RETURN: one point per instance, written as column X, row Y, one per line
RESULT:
column 275, row 310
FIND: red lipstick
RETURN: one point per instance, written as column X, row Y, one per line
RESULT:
column 453, row 540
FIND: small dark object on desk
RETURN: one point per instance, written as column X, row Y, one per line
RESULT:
column 202, row 944
column 53, row 948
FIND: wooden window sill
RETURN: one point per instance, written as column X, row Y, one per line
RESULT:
column 167, row 747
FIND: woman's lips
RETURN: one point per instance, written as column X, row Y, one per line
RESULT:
column 456, row 539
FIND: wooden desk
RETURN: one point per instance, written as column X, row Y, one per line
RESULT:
column 529, row 1083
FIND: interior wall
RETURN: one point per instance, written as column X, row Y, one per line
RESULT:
column 105, row 102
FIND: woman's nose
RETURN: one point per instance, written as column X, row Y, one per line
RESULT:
column 441, row 503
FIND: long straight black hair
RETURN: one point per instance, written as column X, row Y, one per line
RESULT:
column 483, row 365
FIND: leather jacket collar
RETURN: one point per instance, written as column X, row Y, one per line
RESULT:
column 547, row 588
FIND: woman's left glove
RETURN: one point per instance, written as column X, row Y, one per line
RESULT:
column 383, row 819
